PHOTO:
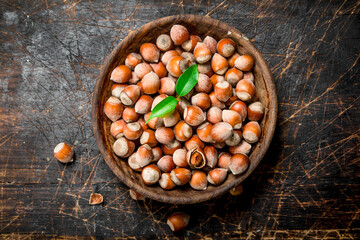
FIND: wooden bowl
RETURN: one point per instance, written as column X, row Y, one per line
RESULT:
column 201, row 26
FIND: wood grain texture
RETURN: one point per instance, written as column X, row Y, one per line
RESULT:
column 307, row 185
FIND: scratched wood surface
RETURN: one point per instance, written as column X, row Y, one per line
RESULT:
column 307, row 186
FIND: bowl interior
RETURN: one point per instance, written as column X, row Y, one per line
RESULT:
column 201, row 26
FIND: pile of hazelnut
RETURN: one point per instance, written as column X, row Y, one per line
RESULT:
column 212, row 128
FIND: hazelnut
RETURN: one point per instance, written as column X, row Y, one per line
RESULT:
column 164, row 42
column 179, row 34
column 132, row 60
column 180, row 176
column 176, row 66
column 150, row 52
column 129, row 115
column 233, row 118
column 189, row 57
column 215, row 79
column 143, row 105
column 142, row 69
column 238, row 163
column 224, row 160
column 211, row 156
column 166, row 164
column 158, row 99
column 244, row 148
column 64, row 153
column 255, row 111
column 164, row 135
column 204, row 84
column 223, row 91
column 134, row 163
column 232, row 99
column 165, row 182
column 150, row 174
column 219, row 64
column 159, row 69
column 182, row 131
column 205, row 68
column 219, row 145
column 233, row 76
column 194, row 116
column 172, row 120
column 226, row 47
column 198, row 180
column 194, row 142
column 148, row 137
column 204, row 132
column 202, row 100
column 121, row 74
column 239, row 107
column 157, row 152
column 167, row 86
column 154, row 123
column 144, row 155
column 179, row 50
column 221, row 131
column 182, row 104
column 132, row 131
column 142, row 124
column 150, row 83
column 171, row 147
column 249, row 75
column 123, row 147
column 190, row 44
column 245, row 90
column 234, row 139
column 252, row 132
column 168, row 55
column 135, row 195
column 134, row 79
column 113, row 108
column 244, row 63
column 232, row 59
column 196, row 158
column 95, row 198
column 211, row 43
column 178, row 221
column 116, row 89
column 130, row 94
column 179, row 158
column 215, row 102
column 202, row 53
column 237, row 190
column 217, row 176
column 117, row 128
column 214, row 115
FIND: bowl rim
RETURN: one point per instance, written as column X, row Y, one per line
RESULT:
column 221, row 189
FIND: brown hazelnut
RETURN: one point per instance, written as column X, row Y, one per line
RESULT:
column 143, row 105
column 238, row 163
column 233, row 76
column 232, row 99
column 194, row 142
column 144, row 155
column 190, row 44
column 223, row 91
column 221, row 131
column 219, row 145
column 202, row 100
column 215, row 79
column 204, row 132
column 159, row 69
column 179, row 34
column 130, row 94
column 214, row 115
column 165, row 182
column 150, row 52
column 243, row 147
column 205, row 68
column 233, row 118
column 211, row 43
column 202, row 53
column 189, row 57
column 117, row 128
column 255, row 111
column 123, row 147
column 113, row 108
column 237, row 190
column 180, row 176
column 121, row 74
column 194, row 116
column 154, row 123
column 158, row 99
column 244, row 63
column 150, row 83
column 164, row 135
column 134, row 163
column 198, row 180
column 135, row 195
column 116, row 89
column 172, row 120
column 211, row 156
column 134, row 79
column 148, row 137
column 129, row 115
column 252, row 132
column 224, row 160
column 232, row 59
column 142, row 69
column 171, row 147
column 226, row 47
column 142, row 124
column 219, row 64
column 204, row 84
column 178, row 221
column 166, row 164
column 157, row 153
column 196, row 158
column 168, row 55
column 167, row 86
column 63, row 152
column 179, row 158
column 150, row 174
column 182, row 105
column 217, row 176
column 132, row 60
column 239, row 107
column 164, row 42
column 234, row 139
column 95, row 198
column 182, row 131
column 132, row 131
column 249, row 75
column 176, row 66
column 245, row 90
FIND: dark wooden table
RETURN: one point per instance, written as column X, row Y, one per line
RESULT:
column 307, row 186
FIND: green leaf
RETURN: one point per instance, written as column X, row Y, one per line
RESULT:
column 187, row 80
column 163, row 108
